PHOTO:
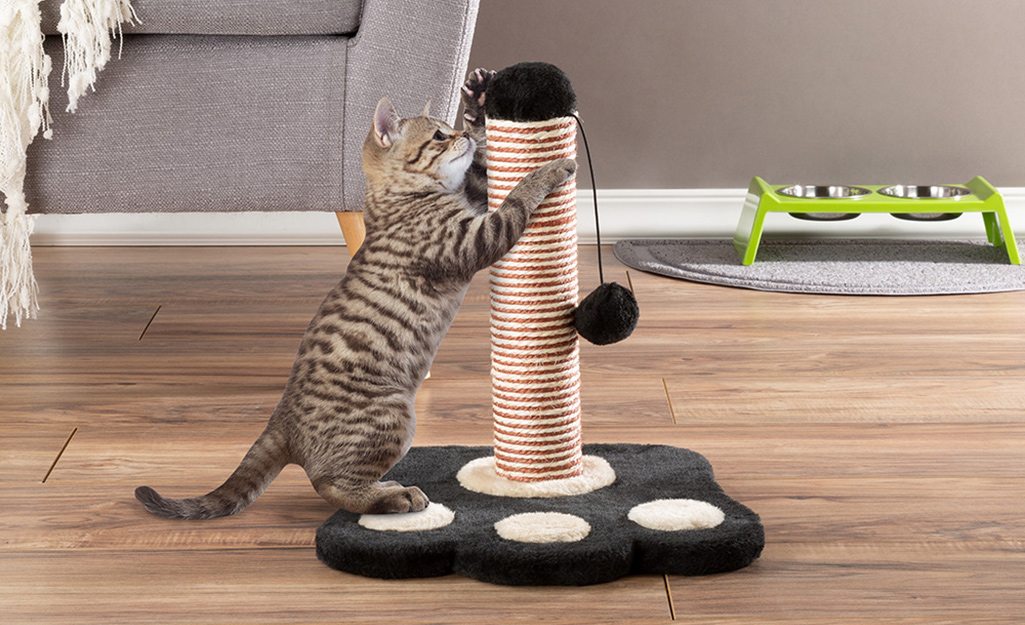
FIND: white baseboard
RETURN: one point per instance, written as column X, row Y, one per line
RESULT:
column 625, row 214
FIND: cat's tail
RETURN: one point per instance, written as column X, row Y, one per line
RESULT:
column 264, row 461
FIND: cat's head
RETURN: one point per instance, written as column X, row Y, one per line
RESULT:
column 416, row 152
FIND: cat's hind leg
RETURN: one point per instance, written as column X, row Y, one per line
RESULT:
column 374, row 498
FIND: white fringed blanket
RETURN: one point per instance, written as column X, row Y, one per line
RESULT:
column 87, row 27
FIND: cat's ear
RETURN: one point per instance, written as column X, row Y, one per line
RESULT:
column 386, row 123
column 427, row 110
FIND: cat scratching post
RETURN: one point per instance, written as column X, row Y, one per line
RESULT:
column 540, row 508
column 535, row 356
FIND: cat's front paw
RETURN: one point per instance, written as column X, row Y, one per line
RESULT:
column 474, row 92
column 541, row 182
column 561, row 170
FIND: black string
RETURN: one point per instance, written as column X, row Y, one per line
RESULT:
column 594, row 185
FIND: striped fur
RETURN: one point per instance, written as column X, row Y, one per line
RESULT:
column 346, row 415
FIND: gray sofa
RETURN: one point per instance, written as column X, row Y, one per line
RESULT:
column 245, row 105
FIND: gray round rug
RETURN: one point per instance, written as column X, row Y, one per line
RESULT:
column 833, row 266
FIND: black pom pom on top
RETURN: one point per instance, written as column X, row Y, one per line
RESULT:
column 608, row 315
column 530, row 92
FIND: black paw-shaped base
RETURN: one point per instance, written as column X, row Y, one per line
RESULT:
column 615, row 546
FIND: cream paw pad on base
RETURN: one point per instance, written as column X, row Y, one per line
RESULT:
column 435, row 515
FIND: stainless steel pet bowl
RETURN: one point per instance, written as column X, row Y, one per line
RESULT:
column 820, row 192
column 926, row 192
column 824, row 192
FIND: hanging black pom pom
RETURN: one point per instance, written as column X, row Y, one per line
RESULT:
column 608, row 315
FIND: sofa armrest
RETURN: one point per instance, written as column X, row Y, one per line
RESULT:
column 410, row 51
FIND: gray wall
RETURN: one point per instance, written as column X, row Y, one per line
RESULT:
column 707, row 93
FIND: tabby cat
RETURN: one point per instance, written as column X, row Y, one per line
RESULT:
column 346, row 415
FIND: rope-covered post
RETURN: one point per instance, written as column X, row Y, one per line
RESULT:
column 535, row 364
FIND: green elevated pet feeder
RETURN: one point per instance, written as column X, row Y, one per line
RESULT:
column 838, row 202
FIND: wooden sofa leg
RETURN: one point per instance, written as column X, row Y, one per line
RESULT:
column 353, row 230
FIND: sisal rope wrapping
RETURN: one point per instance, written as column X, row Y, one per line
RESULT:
column 535, row 364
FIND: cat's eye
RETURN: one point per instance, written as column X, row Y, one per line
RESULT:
column 440, row 136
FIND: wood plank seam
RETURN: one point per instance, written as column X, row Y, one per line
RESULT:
column 59, row 454
column 150, row 322
column 669, row 596
column 669, row 400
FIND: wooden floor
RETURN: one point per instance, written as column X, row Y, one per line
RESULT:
column 882, row 441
